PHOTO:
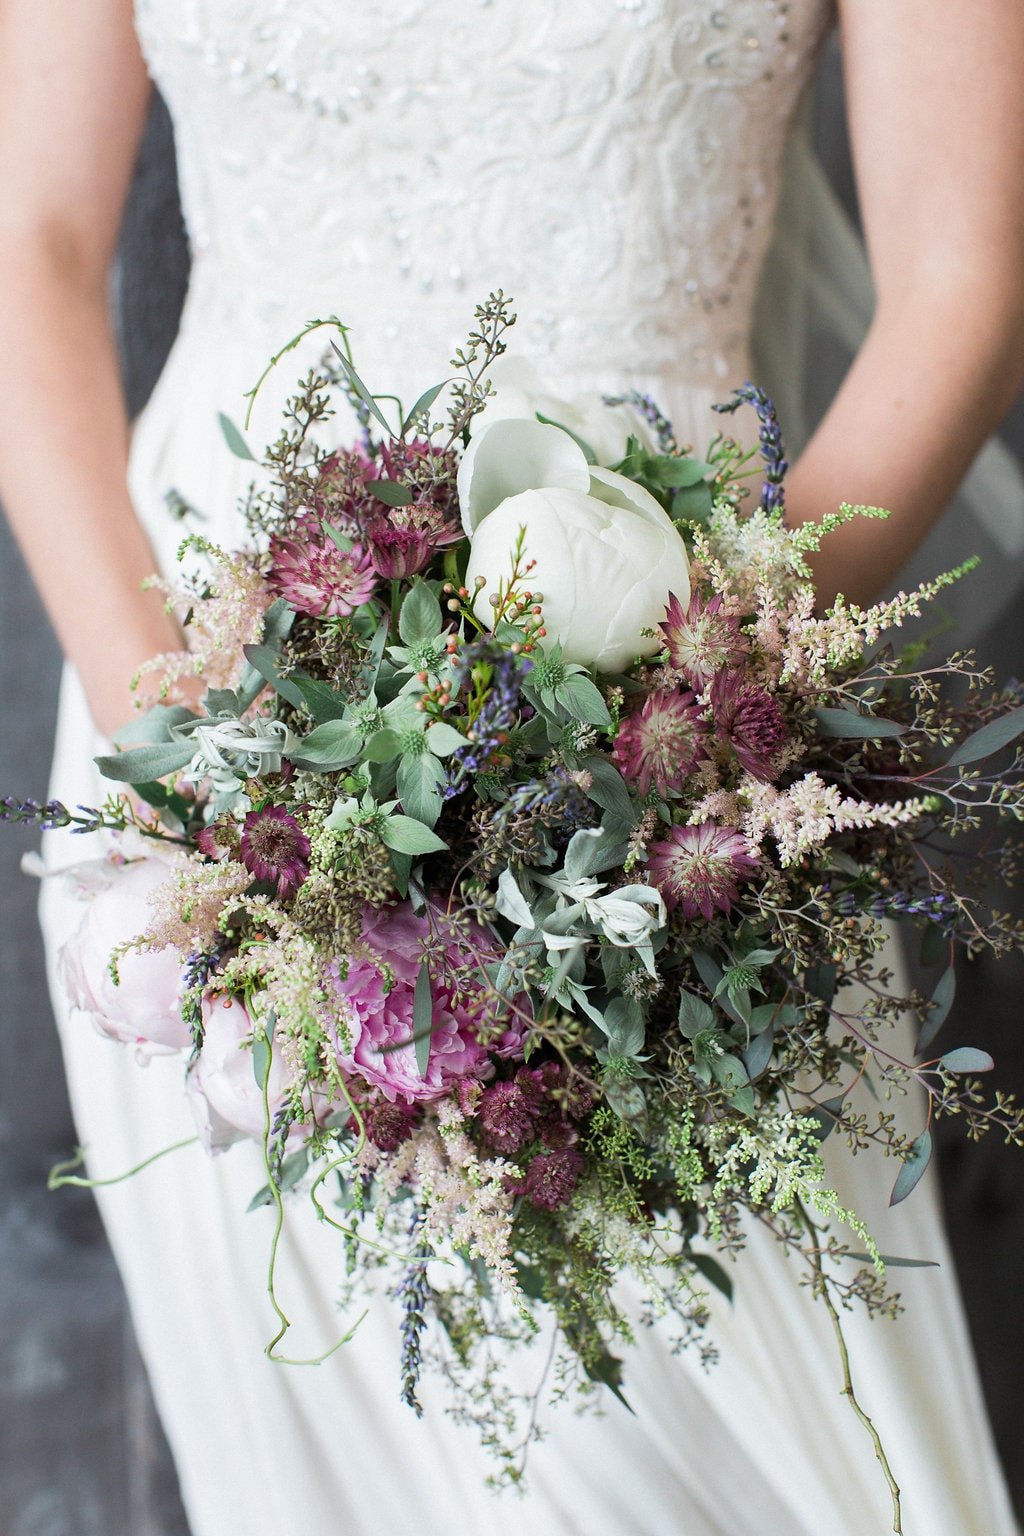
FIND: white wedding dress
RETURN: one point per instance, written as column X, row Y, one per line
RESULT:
column 615, row 165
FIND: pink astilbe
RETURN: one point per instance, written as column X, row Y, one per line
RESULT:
column 662, row 743
column 229, row 617
column 314, row 576
column 698, row 869
column 810, row 812
column 702, row 638
column 188, row 906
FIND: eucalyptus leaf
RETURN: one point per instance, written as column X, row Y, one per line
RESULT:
column 608, row 789
column 391, row 492
column 362, row 391
column 990, row 738
column 267, row 662
column 892, row 1261
column 234, row 439
column 421, row 407
column 713, row 1272
column 292, row 1170
column 142, row 764
column 422, row 1019
column 277, row 622
column 758, row 1053
column 826, row 1115
column 847, row 724
column 938, row 1013
column 676, row 471
column 323, row 702
column 914, row 1165
column 261, row 1059
column 967, row 1058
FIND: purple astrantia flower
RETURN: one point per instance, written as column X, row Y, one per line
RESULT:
column 398, row 550
column 314, row 576
column 749, row 720
column 375, row 993
column 701, row 638
column 699, row 868
column 387, row 1125
column 508, row 1113
column 275, row 848
column 662, row 743
column 552, row 1177
column 219, row 840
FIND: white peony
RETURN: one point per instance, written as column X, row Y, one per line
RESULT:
column 606, row 555
column 520, row 393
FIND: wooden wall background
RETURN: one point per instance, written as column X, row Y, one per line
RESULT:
column 81, row 1452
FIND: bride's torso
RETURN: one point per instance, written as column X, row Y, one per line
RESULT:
column 614, row 165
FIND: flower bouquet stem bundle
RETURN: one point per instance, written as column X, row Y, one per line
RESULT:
column 525, row 883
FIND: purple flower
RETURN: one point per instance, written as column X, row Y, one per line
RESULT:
column 701, row 638
column 314, row 576
column 387, row 1125
column 662, row 743
column 552, row 1177
column 749, row 720
column 275, row 848
column 507, row 1113
column 219, row 840
column 773, row 454
column 398, row 550
column 375, row 992
column 699, row 868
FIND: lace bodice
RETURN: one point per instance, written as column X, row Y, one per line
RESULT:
column 613, row 164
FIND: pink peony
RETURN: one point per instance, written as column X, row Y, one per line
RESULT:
column 375, row 990
column 143, row 1007
column 227, row 1101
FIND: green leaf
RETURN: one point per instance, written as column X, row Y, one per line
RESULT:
column 624, row 1026
column 967, row 1058
column 443, row 738
column 676, row 471
column 390, row 492
column 914, row 1165
column 234, row 439
column 418, row 785
column 421, row 407
column 820, row 981
column 759, row 1053
column 383, row 746
column 693, row 503
column 422, row 1019
column 292, row 1170
column 361, row 390
column 938, row 1013
column 155, row 725
column 606, row 1369
column 420, row 618
column 584, row 447
column 729, row 1072
column 713, row 1271
column 142, row 764
column 583, row 700
column 405, row 835
column 266, row 662
column 277, row 622
column 990, row 738
column 261, row 1058
column 891, row 1261
column 695, row 1014
column 323, row 702
column 608, row 789
column 847, row 724
column 592, row 850
column 332, row 745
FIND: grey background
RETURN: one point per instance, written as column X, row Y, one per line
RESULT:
column 81, row 1452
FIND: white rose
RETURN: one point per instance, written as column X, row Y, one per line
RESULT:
column 606, row 556
column 519, row 392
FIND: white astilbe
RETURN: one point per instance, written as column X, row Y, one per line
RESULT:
column 808, row 813
column 187, row 908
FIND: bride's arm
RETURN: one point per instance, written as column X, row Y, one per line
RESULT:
column 936, row 105
column 73, row 98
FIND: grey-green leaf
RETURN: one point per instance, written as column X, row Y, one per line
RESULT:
column 967, row 1058
column 914, row 1165
column 583, row 700
column 155, row 725
column 942, row 1002
column 391, row 492
column 234, row 439
column 695, row 1014
column 422, row 1019
column 145, row 763
column 990, row 738
column 608, row 789
column 713, row 1271
column 422, row 406
column 847, row 724
column 405, row 835
column 334, row 744
column 418, row 784
column 267, row 663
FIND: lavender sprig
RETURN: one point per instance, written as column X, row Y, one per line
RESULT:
column 772, row 452
column 413, row 1294
column 497, row 714
column 647, row 407
column 49, row 816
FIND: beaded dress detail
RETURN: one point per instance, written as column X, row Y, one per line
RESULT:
column 615, row 166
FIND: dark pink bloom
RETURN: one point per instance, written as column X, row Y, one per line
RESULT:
column 552, row 1177
column 275, row 848
column 314, row 576
column 388, row 1125
column 699, row 868
column 749, row 720
column 507, row 1114
column 375, row 992
column 219, row 840
column 398, row 551
column 701, row 638
column 662, row 743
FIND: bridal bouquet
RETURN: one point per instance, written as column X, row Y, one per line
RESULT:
column 523, row 885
